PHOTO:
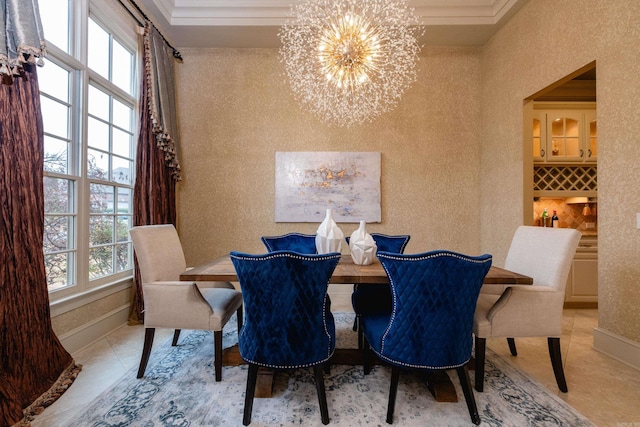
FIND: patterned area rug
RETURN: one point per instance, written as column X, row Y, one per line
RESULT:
column 179, row 390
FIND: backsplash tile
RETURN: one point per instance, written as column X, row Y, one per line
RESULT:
column 569, row 215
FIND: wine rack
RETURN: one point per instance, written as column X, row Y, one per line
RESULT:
column 552, row 178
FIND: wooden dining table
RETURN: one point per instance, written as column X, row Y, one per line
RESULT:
column 348, row 273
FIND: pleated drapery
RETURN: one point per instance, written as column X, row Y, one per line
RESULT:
column 157, row 166
column 35, row 369
column 34, row 366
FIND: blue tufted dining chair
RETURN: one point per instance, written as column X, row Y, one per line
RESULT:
column 430, row 325
column 376, row 297
column 299, row 242
column 286, row 323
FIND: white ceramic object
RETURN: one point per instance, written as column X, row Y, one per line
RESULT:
column 362, row 246
column 329, row 236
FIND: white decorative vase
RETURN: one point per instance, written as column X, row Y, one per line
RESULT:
column 362, row 246
column 329, row 236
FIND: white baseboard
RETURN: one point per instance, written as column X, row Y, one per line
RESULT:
column 618, row 347
column 89, row 333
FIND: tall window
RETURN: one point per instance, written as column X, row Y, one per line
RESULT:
column 89, row 101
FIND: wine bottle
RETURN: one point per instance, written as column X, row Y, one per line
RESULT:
column 554, row 220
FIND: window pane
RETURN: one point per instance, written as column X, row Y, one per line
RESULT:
column 56, row 155
column 123, row 257
column 122, row 171
column 124, row 201
column 122, row 229
column 54, row 81
column 122, row 115
column 121, row 143
column 98, row 49
column 55, row 117
column 101, row 198
column 98, row 103
column 100, row 262
column 56, row 233
column 101, row 231
column 57, row 195
column 57, row 269
column 55, row 22
column 121, row 72
column 98, row 134
column 98, row 165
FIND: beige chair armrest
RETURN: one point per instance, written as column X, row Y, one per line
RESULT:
column 178, row 305
column 527, row 311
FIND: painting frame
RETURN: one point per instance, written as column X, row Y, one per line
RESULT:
column 307, row 183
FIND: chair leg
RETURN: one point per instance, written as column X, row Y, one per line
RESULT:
column 240, row 318
column 322, row 396
column 481, row 348
column 176, row 335
column 393, row 391
column 217, row 357
column 465, row 383
column 355, row 323
column 360, row 333
column 252, row 378
column 512, row 346
column 366, row 354
column 556, row 362
column 146, row 350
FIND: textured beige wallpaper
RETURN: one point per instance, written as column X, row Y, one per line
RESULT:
column 545, row 41
column 235, row 111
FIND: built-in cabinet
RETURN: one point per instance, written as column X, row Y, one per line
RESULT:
column 565, row 132
column 582, row 283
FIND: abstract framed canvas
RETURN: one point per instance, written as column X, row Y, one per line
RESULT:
column 308, row 183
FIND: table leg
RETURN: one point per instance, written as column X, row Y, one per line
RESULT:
column 439, row 383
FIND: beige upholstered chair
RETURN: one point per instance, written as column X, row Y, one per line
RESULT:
column 546, row 255
column 171, row 303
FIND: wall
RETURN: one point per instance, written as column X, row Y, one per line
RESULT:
column 235, row 111
column 546, row 40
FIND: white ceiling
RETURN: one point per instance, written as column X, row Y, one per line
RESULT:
column 255, row 23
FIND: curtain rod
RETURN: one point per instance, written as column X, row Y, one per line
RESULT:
column 176, row 54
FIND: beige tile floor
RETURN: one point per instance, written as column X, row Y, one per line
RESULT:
column 604, row 390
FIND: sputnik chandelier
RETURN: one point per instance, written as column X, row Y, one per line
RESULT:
column 349, row 61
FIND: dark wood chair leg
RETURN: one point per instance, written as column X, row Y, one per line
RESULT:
column 146, row 350
column 322, row 396
column 176, row 336
column 252, row 378
column 360, row 334
column 393, row 391
column 512, row 346
column 240, row 318
column 556, row 362
column 481, row 348
column 366, row 356
column 465, row 383
column 217, row 357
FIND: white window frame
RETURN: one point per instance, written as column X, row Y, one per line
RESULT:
column 122, row 27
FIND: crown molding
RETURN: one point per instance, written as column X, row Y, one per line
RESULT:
column 276, row 12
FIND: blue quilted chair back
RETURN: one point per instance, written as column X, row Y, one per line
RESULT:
column 286, row 324
column 386, row 243
column 298, row 242
column 434, row 299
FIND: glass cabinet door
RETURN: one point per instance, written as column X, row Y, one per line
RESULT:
column 564, row 132
column 592, row 135
column 538, row 149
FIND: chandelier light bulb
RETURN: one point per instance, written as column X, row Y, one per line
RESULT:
column 348, row 61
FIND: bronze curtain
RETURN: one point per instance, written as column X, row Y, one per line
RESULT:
column 157, row 168
column 33, row 363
